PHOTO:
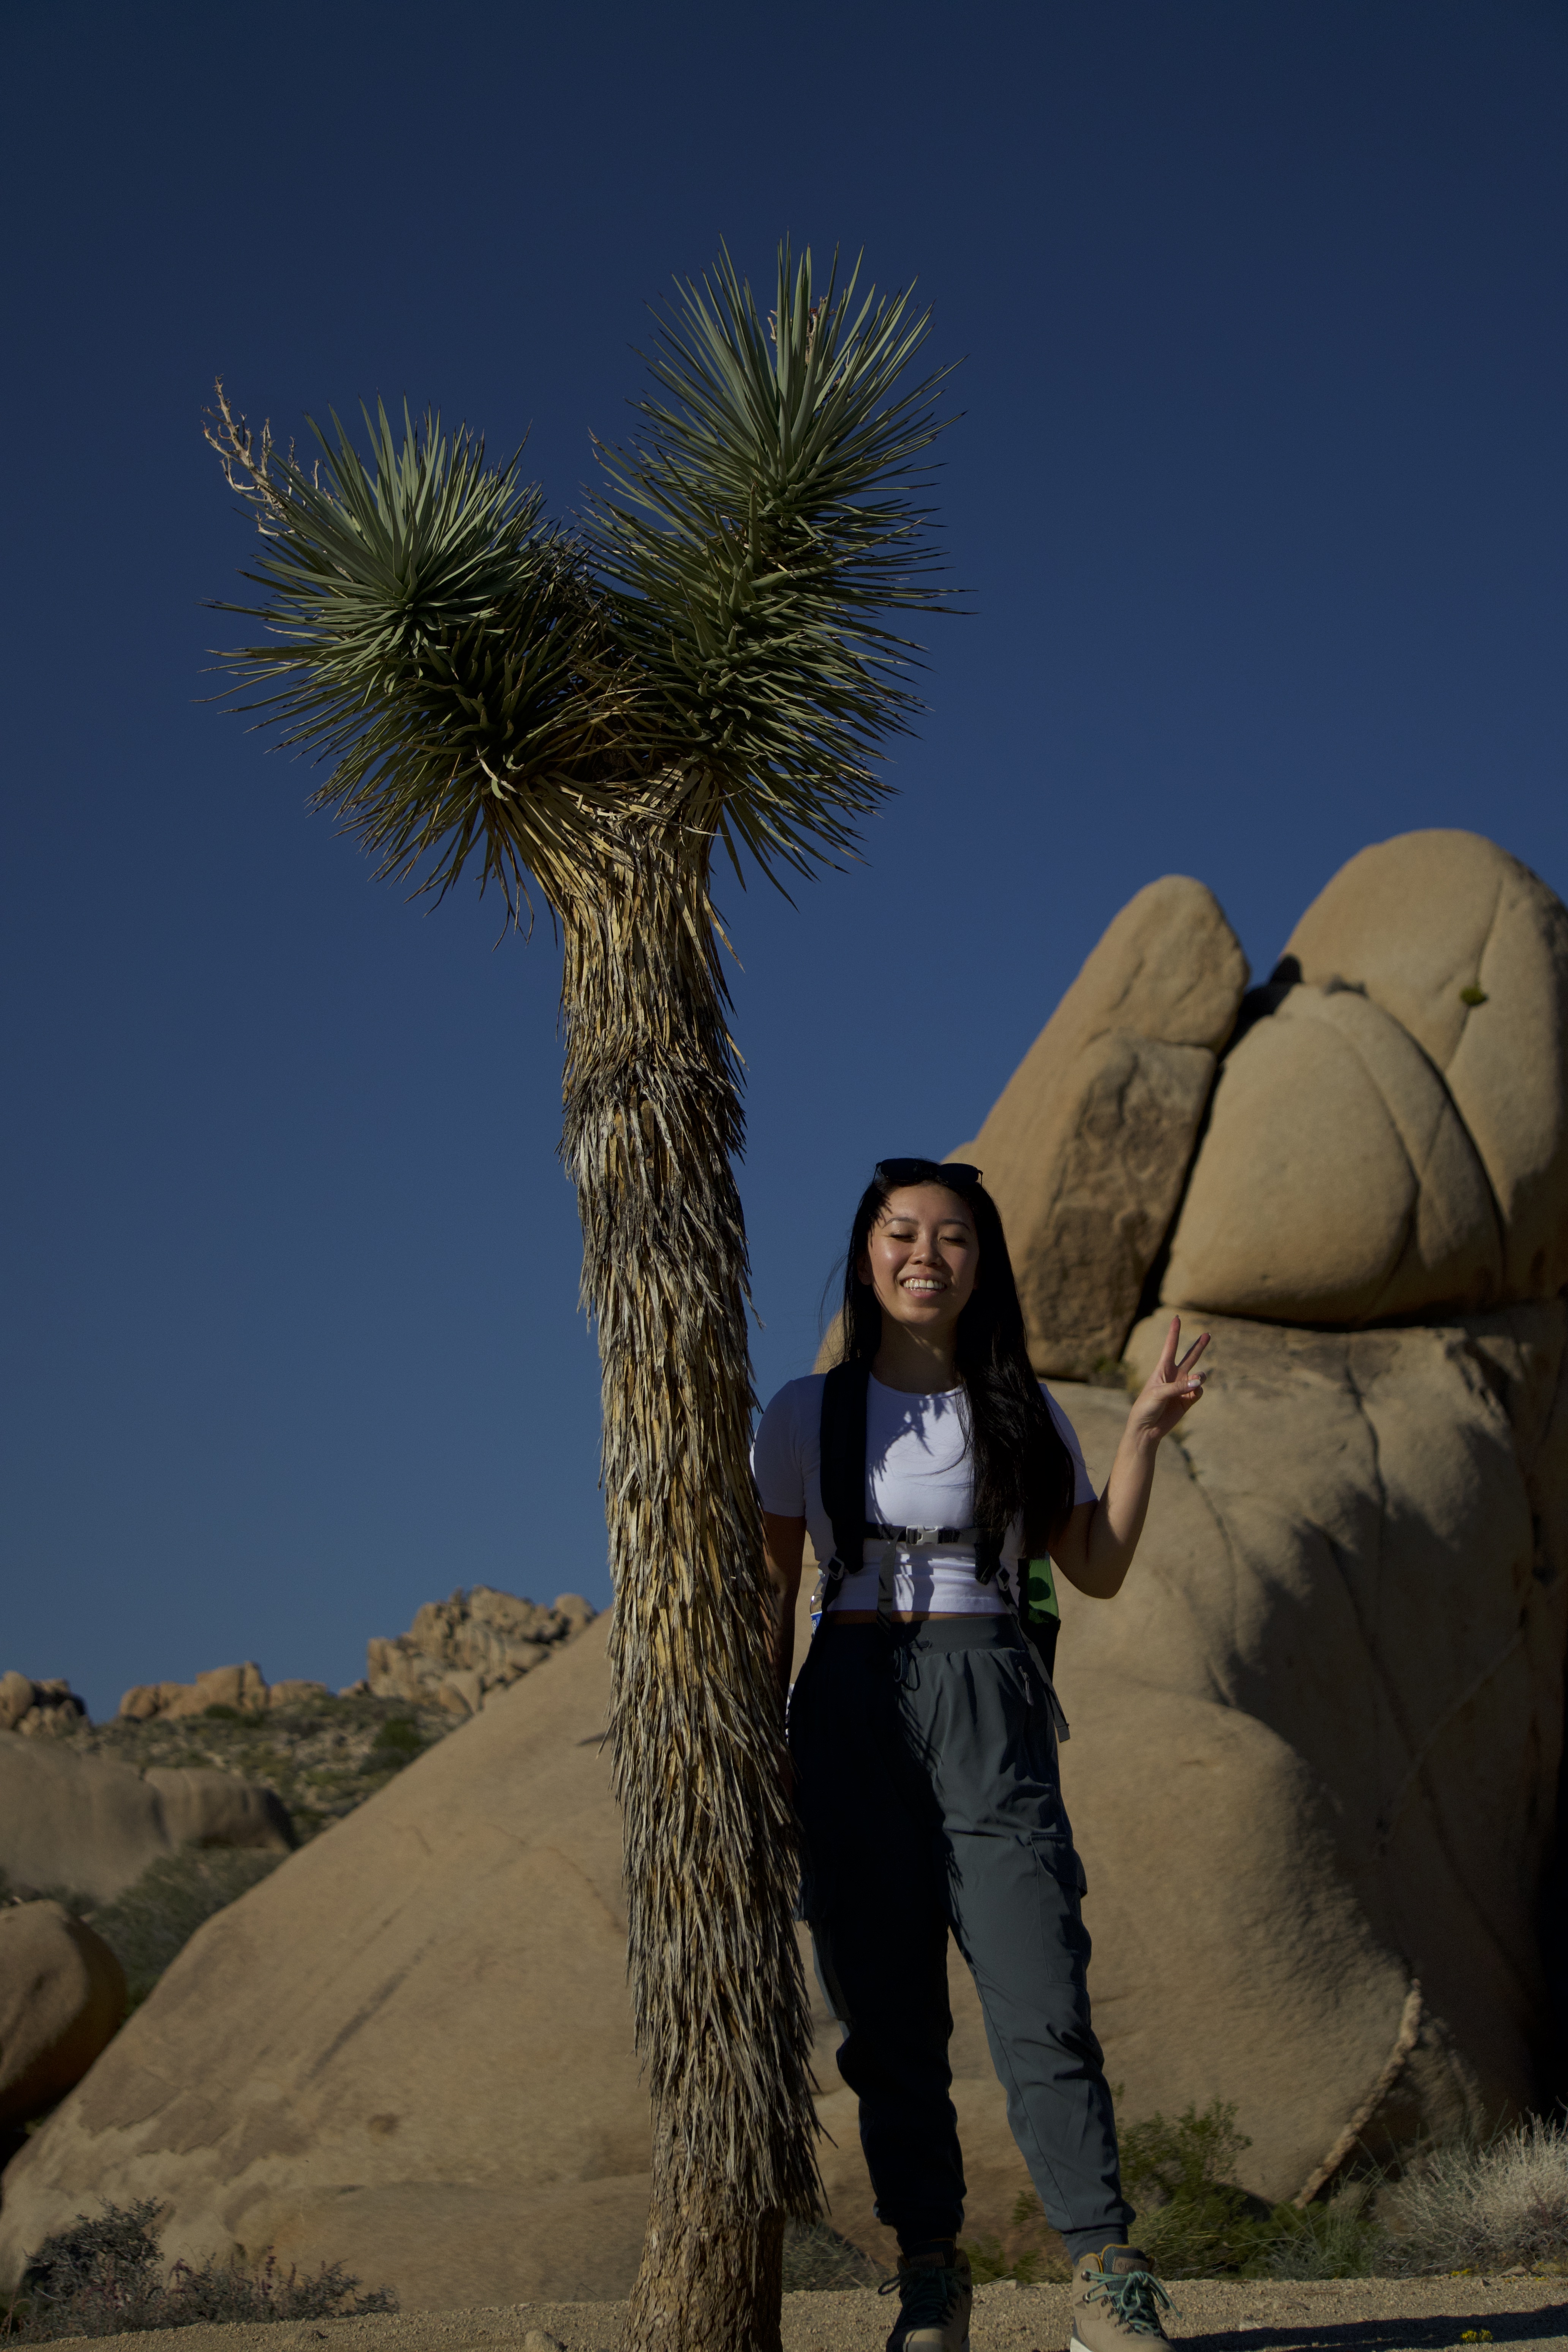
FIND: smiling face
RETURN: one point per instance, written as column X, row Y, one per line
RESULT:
column 922, row 1258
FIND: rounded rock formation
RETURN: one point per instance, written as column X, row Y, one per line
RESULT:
column 1086, row 1147
column 1467, row 950
column 92, row 1826
column 62, row 1996
column 1336, row 1182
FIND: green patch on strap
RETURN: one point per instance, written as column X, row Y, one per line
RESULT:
column 1040, row 1593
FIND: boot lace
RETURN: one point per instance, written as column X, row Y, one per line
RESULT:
column 1136, row 2297
column 928, row 2293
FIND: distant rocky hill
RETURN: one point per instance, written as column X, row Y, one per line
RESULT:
column 119, row 1840
column 319, row 1754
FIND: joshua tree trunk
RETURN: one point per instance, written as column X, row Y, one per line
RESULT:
column 653, row 1115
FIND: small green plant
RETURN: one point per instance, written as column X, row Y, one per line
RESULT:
column 1195, row 2221
column 1473, row 994
column 103, row 2276
column 399, row 1741
column 219, row 1713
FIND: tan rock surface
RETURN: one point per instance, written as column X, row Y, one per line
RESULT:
column 295, row 1692
column 1335, row 1183
column 92, row 1826
column 241, row 1687
column 142, row 1701
column 1416, row 923
column 62, row 1995
column 202, row 1807
column 75, row 1822
column 1086, row 1150
column 1332, row 1689
column 422, row 2013
column 16, row 1698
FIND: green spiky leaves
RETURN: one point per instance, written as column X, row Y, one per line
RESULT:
column 716, row 646
column 759, row 537
column 434, row 640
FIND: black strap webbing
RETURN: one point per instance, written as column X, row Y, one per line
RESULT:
column 844, row 1461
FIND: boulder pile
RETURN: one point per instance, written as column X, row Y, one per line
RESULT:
column 38, row 1710
column 454, row 1654
column 242, row 1688
column 457, row 1651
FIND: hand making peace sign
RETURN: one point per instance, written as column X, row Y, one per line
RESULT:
column 1172, row 1389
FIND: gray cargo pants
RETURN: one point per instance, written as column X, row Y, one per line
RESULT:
column 926, row 1778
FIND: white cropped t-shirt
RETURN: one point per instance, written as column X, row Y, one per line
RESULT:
column 918, row 1474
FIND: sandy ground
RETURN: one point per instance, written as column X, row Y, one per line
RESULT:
column 1220, row 2316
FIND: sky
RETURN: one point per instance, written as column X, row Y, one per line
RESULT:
column 1255, row 491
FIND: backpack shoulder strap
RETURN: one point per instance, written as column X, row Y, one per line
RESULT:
column 844, row 1393
column 843, row 1470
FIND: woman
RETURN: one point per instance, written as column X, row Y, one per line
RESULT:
column 923, row 1731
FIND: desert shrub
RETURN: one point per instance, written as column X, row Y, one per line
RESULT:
column 817, row 2260
column 400, row 1731
column 104, row 2276
column 1485, row 2206
column 156, row 1919
column 397, row 1743
column 1195, row 2221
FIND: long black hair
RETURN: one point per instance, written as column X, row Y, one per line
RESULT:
column 1022, row 1466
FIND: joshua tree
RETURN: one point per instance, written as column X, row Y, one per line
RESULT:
column 705, row 659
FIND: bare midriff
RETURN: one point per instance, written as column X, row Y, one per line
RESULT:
column 901, row 1616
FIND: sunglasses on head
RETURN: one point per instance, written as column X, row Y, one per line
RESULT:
column 957, row 1174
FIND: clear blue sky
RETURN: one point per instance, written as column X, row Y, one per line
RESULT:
column 1258, row 499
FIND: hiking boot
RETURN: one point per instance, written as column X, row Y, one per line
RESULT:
column 1116, row 2303
column 935, row 2294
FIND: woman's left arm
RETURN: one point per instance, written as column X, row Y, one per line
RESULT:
column 1095, row 1548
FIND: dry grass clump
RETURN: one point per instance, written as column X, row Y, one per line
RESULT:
column 817, row 2260
column 103, row 2276
column 1501, row 2206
